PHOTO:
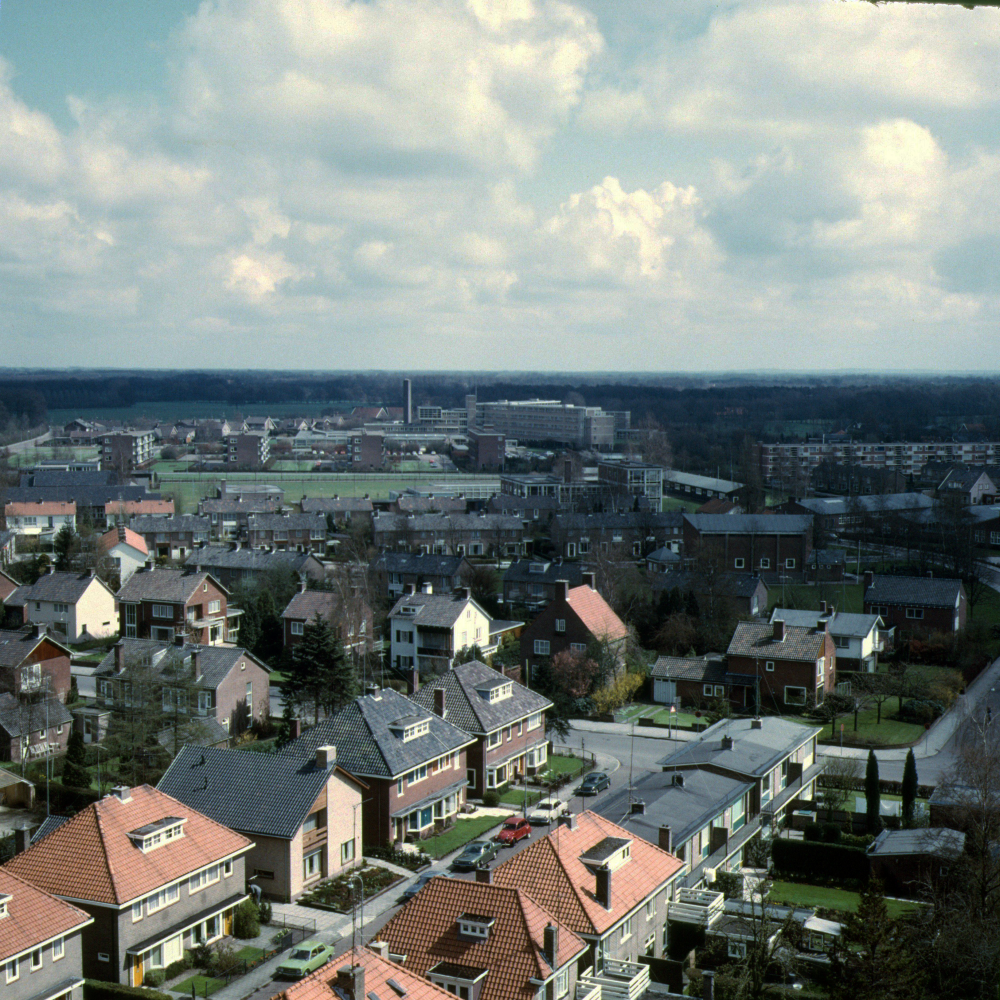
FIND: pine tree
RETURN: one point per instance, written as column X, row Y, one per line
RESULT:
column 320, row 674
column 909, row 787
column 62, row 547
column 873, row 797
column 75, row 773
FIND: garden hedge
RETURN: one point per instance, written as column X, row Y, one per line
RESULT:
column 805, row 857
column 95, row 989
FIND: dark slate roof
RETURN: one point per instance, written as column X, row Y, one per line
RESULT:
column 367, row 746
column 726, row 584
column 829, row 557
column 505, row 502
column 49, row 824
column 201, row 731
column 933, row 592
column 423, row 505
column 61, row 478
column 15, row 647
column 64, row 587
column 285, row 522
column 745, row 524
column 934, row 841
column 222, row 556
column 307, row 604
column 664, row 554
column 689, row 668
column 263, row 793
column 543, row 571
column 627, row 519
column 465, row 705
column 754, row 751
column 214, row 662
column 261, row 503
column 160, row 584
column 757, row 639
column 86, row 496
column 146, row 524
column 20, row 719
column 686, row 808
column 418, row 564
column 447, row 522
column 842, row 623
column 872, row 503
column 336, row 505
column 435, row 610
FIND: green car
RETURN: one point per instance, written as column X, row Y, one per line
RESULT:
column 305, row 958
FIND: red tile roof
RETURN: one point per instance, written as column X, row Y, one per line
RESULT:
column 139, row 507
column 46, row 507
column 122, row 534
column 33, row 916
column 425, row 930
column 552, row 872
column 378, row 971
column 92, row 857
column 596, row 613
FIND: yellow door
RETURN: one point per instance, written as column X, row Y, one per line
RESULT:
column 227, row 922
column 137, row 970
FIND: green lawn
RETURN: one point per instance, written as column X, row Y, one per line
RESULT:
column 889, row 730
column 204, row 986
column 806, row 597
column 464, row 831
column 277, row 677
column 515, row 797
column 800, row 894
column 676, row 503
column 566, row 765
column 248, row 953
column 678, row 719
column 987, row 607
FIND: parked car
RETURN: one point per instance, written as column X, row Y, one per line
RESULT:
column 514, row 829
column 547, row 811
column 477, row 853
column 305, row 958
column 595, row 782
column 424, row 878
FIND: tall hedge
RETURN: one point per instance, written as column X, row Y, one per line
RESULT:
column 807, row 857
column 96, row 989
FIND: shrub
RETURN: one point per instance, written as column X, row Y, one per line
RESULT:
column 224, row 960
column 154, row 977
column 264, row 911
column 202, row 956
column 246, row 920
column 919, row 711
column 491, row 798
column 800, row 857
column 181, row 965
column 413, row 860
column 831, row 833
column 96, row 989
column 812, row 831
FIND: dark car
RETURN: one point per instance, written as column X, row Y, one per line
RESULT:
column 421, row 881
column 514, row 829
column 595, row 782
column 477, row 853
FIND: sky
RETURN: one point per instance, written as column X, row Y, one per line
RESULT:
column 606, row 185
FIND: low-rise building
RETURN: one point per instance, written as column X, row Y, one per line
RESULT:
column 293, row 532
column 31, row 660
column 123, row 451
column 74, row 606
column 495, row 535
column 248, row 450
column 639, row 479
column 41, row 953
column 770, row 545
column 698, row 681
column 916, row 603
column 631, row 533
column 303, row 815
column 156, row 876
column 172, row 537
column 858, row 638
column 32, row 729
column 126, row 549
column 532, row 582
column 233, row 564
column 41, row 519
column 909, row 862
column 351, row 618
column 343, row 510
column 394, row 570
column 507, row 719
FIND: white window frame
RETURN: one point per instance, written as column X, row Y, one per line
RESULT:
column 35, row 966
column 796, row 687
column 769, row 666
column 297, row 628
column 13, row 966
column 315, row 857
column 739, row 562
column 165, row 611
column 58, row 949
column 915, row 614
column 347, row 852
column 542, row 647
column 789, row 564
column 765, row 562
column 560, row 626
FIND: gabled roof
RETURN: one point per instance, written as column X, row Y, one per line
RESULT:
column 746, row 524
column 39, row 507
column 869, row 503
column 724, row 585
column 50, row 823
column 383, row 979
column 92, row 856
column 64, row 587
column 433, row 610
column 756, row 639
column 596, row 614
column 560, row 882
column 933, row 841
column 627, row 519
column 931, row 592
column 33, row 916
column 16, row 647
column 423, row 505
column 262, row 793
column 305, row 605
column 754, row 751
column 543, row 571
column 122, row 536
column 146, row 505
column 214, row 662
column 688, row 668
column 370, row 744
column 467, row 706
column 19, row 718
column 253, row 504
column 146, row 524
column 719, row 506
column 84, row 496
column 426, row 931
column 417, row 564
column 224, row 557
column 336, row 505
column 174, row 585
column 287, row 522
column 842, row 623
column 456, row 521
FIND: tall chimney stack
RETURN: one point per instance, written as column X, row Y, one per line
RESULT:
column 407, row 401
column 439, row 702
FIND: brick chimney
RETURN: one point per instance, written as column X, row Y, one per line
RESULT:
column 439, row 702
column 666, row 839
column 412, row 680
column 727, row 743
column 603, row 887
column 295, row 728
column 551, row 940
column 381, row 948
column 588, row 580
column 561, row 589
column 568, row 820
column 326, row 756
column 778, row 633
column 484, row 875
column 22, row 838
column 351, row 980
column 119, row 657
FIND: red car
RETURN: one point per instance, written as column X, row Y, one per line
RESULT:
column 513, row 830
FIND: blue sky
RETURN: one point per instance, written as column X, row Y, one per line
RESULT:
column 524, row 184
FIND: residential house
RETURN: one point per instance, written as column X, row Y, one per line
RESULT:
column 222, row 684
column 259, row 425
column 532, row 582
column 916, row 603
column 303, row 815
column 858, row 638
column 7, row 585
column 405, row 503
column 538, row 509
column 487, row 448
column 344, row 511
column 494, row 535
column 909, row 862
column 75, row 606
column 833, row 477
column 249, row 450
column 28, row 657
column 571, row 621
column 126, row 450
column 125, row 548
column 164, row 603
column 172, row 537
column 41, row 955
column 770, row 545
column 366, row 449
column 663, row 560
column 7, row 540
column 485, row 942
column 693, row 487
column 40, row 519
column 697, row 681
column 359, row 974
column 777, row 755
column 703, row 818
column 116, row 511
column 631, row 533
column 968, row 486
column 427, row 630
column 294, row 532
column 234, row 564
column 507, row 719
column 351, row 618
column 413, row 761
column 230, row 515
column 606, row 885
column 91, row 501
column 739, row 594
column 850, row 516
column 828, row 565
column 394, row 570
column 156, row 876
column 32, row 729
column 795, row 665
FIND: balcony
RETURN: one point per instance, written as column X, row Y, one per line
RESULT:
column 697, row 906
column 618, row 981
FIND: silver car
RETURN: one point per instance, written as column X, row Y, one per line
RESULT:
column 547, row 811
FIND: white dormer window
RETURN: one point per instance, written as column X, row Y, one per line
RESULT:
column 408, row 609
column 5, row 899
column 475, row 926
column 415, row 730
column 153, row 835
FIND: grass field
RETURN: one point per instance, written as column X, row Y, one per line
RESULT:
column 566, row 765
column 890, row 730
column 676, row 503
column 678, row 719
column 515, row 797
column 800, row 894
column 806, row 597
column 198, row 986
column 463, row 832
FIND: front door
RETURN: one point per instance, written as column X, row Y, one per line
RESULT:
column 137, row 970
column 227, row 922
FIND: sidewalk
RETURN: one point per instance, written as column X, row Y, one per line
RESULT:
column 625, row 729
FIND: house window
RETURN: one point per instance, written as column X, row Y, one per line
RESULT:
column 36, row 959
column 58, row 949
column 706, row 690
column 346, row 852
column 298, row 628
column 470, row 777
column 739, row 563
column 769, row 665
column 534, row 720
column 562, row 983
column 739, row 816
column 264, row 873
column 737, row 949
column 795, row 695
column 312, row 865
column 841, row 641
column 163, row 611
column 627, row 930
column 541, row 647
column 560, row 625
column 578, row 647
column 789, row 564
column 494, row 739
column 765, row 563
column 915, row 613
column 137, row 911
column 13, row 970
column 314, row 821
